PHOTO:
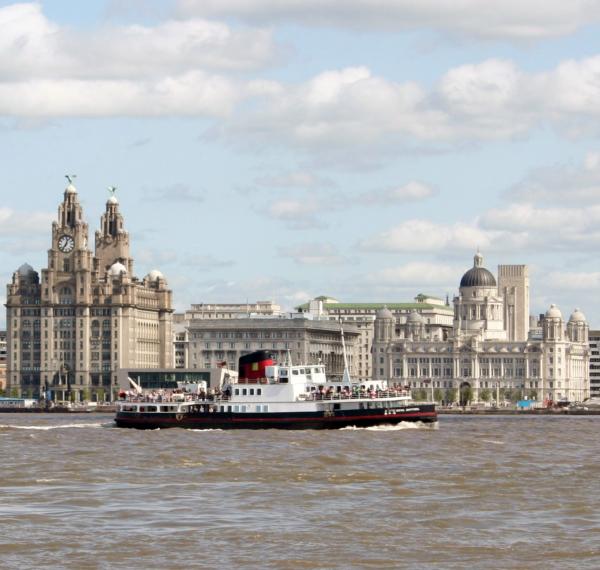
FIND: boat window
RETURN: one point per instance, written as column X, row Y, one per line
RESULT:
column 315, row 370
column 252, row 391
column 229, row 408
column 222, row 408
column 258, row 391
column 265, row 407
column 244, row 392
column 243, row 408
column 295, row 372
column 283, row 372
column 151, row 409
column 236, row 408
column 237, row 391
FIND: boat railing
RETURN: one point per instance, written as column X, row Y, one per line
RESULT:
column 372, row 395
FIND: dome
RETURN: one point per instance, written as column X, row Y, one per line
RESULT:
column 577, row 317
column 112, row 200
column 155, row 275
column 478, row 276
column 384, row 313
column 70, row 189
column 553, row 312
column 414, row 318
column 25, row 270
column 117, row 269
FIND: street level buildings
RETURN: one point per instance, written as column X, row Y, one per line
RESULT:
column 296, row 337
column 3, row 361
column 594, row 340
column 437, row 316
column 71, row 329
column 490, row 353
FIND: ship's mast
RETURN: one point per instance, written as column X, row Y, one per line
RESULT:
column 346, row 378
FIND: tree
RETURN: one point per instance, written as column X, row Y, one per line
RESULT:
column 485, row 395
column 419, row 394
column 450, row 395
column 438, row 395
column 100, row 395
column 85, row 395
column 466, row 395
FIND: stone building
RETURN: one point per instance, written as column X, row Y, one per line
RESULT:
column 594, row 340
column 437, row 317
column 88, row 315
column 3, row 360
column 490, row 351
column 221, row 342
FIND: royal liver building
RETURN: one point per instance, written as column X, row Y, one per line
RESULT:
column 494, row 350
column 88, row 315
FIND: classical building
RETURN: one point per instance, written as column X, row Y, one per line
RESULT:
column 70, row 331
column 594, row 338
column 437, row 316
column 490, row 351
column 3, row 360
column 306, row 340
column 214, row 311
column 231, row 310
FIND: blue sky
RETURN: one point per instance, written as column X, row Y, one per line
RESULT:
column 282, row 150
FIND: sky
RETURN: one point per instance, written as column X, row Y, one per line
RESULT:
column 269, row 150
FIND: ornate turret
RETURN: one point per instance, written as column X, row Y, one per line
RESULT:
column 553, row 324
column 577, row 327
column 112, row 241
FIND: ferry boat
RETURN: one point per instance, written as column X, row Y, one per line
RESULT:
column 266, row 395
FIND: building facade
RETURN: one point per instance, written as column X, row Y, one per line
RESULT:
column 594, row 339
column 437, row 316
column 88, row 315
column 3, row 361
column 490, row 353
column 304, row 340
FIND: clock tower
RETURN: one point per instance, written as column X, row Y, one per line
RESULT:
column 88, row 315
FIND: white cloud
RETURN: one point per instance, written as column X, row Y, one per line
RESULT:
column 313, row 254
column 411, row 192
column 207, row 262
column 298, row 213
column 426, row 236
column 562, row 184
column 574, row 281
column 194, row 93
column 23, row 224
column 33, row 46
column 506, row 19
column 418, row 274
column 174, row 193
column 294, row 179
column 168, row 69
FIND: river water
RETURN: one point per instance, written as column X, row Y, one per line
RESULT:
column 477, row 492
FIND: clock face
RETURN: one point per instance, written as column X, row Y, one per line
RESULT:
column 66, row 244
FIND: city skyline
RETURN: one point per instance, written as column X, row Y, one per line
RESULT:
column 268, row 151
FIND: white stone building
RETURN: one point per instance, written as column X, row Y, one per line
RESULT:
column 437, row 317
column 306, row 340
column 490, row 351
column 70, row 331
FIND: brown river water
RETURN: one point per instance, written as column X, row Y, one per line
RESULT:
column 476, row 492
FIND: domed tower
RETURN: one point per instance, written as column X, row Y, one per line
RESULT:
column 577, row 327
column 415, row 326
column 112, row 241
column 478, row 309
column 553, row 324
column 384, row 325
